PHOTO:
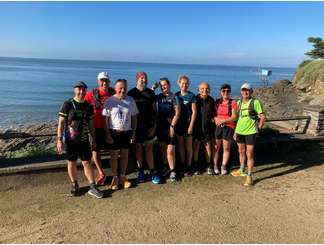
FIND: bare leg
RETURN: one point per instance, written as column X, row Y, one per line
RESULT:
column 250, row 157
column 181, row 149
column 139, row 155
column 171, row 156
column 97, row 160
column 196, row 150
column 226, row 151
column 114, row 162
column 188, row 145
column 149, row 155
column 72, row 171
column 88, row 171
column 218, row 144
column 242, row 153
column 123, row 161
column 208, row 151
column 163, row 153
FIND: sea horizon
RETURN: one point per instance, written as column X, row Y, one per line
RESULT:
column 33, row 89
column 145, row 62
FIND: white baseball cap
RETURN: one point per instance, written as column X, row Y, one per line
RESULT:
column 246, row 86
column 103, row 75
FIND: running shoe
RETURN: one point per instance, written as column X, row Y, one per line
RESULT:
column 165, row 171
column 94, row 191
column 223, row 170
column 75, row 189
column 101, row 180
column 248, row 181
column 125, row 182
column 210, row 170
column 173, row 176
column 114, row 183
column 155, row 178
column 216, row 171
column 238, row 173
column 141, row 176
column 188, row 172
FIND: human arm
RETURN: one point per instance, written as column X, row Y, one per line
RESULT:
column 134, row 126
column 193, row 118
column 152, row 130
column 174, row 121
column 92, row 134
column 262, row 120
column 60, row 128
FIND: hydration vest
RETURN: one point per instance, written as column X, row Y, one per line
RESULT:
column 219, row 101
column 97, row 97
column 252, row 113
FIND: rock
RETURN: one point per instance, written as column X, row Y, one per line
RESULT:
column 280, row 85
column 317, row 101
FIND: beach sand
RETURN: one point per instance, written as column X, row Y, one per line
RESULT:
column 286, row 205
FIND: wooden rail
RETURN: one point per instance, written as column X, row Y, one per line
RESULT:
column 17, row 135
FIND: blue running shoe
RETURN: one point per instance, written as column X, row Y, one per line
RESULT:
column 155, row 178
column 141, row 176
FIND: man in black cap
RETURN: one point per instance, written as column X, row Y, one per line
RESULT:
column 75, row 123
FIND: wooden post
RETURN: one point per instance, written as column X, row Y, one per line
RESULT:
column 316, row 123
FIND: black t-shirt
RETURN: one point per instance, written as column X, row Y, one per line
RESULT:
column 78, row 115
column 166, row 109
column 205, row 114
column 145, row 101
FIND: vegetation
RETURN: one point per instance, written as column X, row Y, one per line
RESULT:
column 318, row 51
column 310, row 71
column 30, row 151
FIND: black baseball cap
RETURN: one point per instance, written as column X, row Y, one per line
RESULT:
column 80, row 84
column 225, row 86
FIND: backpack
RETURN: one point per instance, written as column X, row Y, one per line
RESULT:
column 252, row 113
column 219, row 101
column 97, row 98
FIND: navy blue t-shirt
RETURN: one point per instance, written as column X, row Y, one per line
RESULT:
column 166, row 106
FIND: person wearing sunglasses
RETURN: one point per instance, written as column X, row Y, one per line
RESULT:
column 226, row 115
column 250, row 121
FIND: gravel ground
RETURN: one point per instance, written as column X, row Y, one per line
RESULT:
column 286, row 205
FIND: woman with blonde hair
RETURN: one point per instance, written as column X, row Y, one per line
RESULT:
column 185, row 125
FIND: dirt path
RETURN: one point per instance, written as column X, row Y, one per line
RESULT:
column 285, row 206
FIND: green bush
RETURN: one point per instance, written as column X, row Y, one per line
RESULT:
column 310, row 71
column 30, row 151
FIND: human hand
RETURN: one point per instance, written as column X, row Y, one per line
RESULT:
column 60, row 147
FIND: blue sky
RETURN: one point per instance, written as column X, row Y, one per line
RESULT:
column 229, row 33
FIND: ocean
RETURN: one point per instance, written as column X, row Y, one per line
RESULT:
column 32, row 90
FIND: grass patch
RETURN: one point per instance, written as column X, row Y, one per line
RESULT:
column 31, row 151
column 310, row 71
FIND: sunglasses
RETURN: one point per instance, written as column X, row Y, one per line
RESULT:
column 225, row 91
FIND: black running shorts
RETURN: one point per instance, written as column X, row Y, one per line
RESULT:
column 246, row 139
column 101, row 139
column 121, row 139
column 225, row 133
column 78, row 149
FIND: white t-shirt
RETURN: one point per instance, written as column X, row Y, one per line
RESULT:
column 120, row 112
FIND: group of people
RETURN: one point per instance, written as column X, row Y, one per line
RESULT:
column 115, row 118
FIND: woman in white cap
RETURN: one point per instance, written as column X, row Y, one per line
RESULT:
column 250, row 121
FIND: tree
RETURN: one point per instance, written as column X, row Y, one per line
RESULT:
column 318, row 51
